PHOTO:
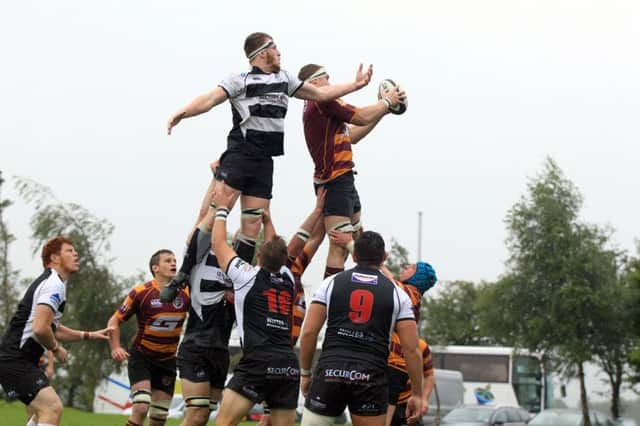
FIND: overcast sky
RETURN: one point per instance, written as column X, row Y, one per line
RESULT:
column 494, row 87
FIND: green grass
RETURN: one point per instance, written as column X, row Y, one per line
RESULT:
column 13, row 414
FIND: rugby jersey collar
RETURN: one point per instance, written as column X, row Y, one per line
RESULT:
column 256, row 70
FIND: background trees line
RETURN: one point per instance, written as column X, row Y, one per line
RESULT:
column 566, row 291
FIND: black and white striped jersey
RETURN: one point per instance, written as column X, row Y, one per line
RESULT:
column 210, row 316
column 259, row 104
column 19, row 342
column 363, row 307
column 263, row 303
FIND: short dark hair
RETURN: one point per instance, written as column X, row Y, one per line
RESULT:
column 306, row 71
column 53, row 246
column 255, row 40
column 273, row 254
column 369, row 248
column 155, row 259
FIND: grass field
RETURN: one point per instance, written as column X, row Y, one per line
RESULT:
column 14, row 415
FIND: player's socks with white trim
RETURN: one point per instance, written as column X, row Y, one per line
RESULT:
column 245, row 247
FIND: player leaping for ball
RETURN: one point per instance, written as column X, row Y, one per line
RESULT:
column 330, row 128
column 259, row 100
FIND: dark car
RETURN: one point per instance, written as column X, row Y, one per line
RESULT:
column 569, row 417
column 486, row 415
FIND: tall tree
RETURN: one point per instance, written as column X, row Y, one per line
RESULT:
column 631, row 280
column 398, row 257
column 8, row 276
column 451, row 318
column 93, row 293
column 557, row 270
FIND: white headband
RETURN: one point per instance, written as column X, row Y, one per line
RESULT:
column 268, row 44
column 321, row 72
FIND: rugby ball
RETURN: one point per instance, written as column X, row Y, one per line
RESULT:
column 385, row 86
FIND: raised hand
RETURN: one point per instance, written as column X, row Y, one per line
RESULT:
column 101, row 334
column 341, row 239
column 174, row 120
column 363, row 78
column 395, row 96
column 61, row 354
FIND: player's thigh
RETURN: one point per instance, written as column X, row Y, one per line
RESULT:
column 338, row 223
column 226, row 188
column 368, row 420
column 391, row 410
column 234, row 406
column 283, row 417
column 252, row 202
column 46, row 404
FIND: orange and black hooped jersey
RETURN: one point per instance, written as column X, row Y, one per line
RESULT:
column 297, row 267
column 427, row 370
column 396, row 356
column 327, row 136
column 159, row 324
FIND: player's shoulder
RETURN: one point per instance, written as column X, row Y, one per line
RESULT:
column 142, row 287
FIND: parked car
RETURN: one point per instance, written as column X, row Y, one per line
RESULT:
column 626, row 421
column 486, row 415
column 569, row 417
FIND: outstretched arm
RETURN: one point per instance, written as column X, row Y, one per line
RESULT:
column 268, row 229
column 199, row 105
column 309, row 338
column 297, row 242
column 328, row 93
column 223, row 199
column 408, row 333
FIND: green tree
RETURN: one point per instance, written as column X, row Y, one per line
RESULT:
column 398, row 257
column 94, row 292
column 451, row 318
column 558, row 271
column 631, row 280
column 8, row 276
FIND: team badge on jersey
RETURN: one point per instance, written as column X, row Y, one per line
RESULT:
column 359, row 278
column 178, row 302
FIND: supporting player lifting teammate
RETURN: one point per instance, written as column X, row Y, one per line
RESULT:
column 361, row 307
column 268, row 370
column 203, row 356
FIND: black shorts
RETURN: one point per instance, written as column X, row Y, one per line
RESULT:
column 273, row 379
column 161, row 373
column 342, row 197
column 338, row 384
column 203, row 365
column 22, row 379
column 251, row 176
column 397, row 383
